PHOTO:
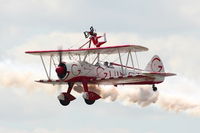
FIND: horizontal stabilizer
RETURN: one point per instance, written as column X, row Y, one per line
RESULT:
column 159, row 74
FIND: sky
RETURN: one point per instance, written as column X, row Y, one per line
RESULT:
column 169, row 28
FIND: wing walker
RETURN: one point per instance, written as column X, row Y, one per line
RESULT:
column 79, row 70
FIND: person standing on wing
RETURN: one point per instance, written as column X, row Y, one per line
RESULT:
column 94, row 38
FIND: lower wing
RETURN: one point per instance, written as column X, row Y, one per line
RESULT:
column 144, row 78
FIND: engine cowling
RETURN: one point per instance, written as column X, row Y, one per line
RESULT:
column 61, row 70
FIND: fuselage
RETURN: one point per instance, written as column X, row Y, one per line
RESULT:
column 106, row 73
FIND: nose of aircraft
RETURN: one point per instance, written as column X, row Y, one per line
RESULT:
column 60, row 70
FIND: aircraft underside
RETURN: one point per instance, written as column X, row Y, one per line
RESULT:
column 89, row 97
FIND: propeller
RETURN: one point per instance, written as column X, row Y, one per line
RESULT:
column 59, row 89
column 61, row 69
column 60, row 56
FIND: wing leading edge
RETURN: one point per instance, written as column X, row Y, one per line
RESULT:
column 100, row 50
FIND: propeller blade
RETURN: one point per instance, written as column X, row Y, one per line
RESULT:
column 60, row 55
column 59, row 89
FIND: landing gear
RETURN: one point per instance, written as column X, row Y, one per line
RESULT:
column 65, row 97
column 89, row 97
column 154, row 88
column 64, row 103
column 89, row 102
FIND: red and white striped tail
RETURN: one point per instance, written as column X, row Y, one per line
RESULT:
column 155, row 65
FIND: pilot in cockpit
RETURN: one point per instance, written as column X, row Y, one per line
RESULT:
column 106, row 64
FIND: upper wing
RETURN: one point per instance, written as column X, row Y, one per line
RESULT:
column 100, row 50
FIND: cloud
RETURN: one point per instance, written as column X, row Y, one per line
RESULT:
column 61, row 15
column 43, row 7
column 189, row 11
column 43, row 130
column 169, row 48
column 52, row 41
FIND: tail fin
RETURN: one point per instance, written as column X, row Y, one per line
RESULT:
column 155, row 65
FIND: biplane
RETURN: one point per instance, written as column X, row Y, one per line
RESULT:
column 77, row 70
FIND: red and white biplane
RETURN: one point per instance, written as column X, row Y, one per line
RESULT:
column 80, row 70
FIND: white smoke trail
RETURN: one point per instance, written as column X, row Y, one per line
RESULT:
column 106, row 92
column 13, row 78
column 144, row 96
column 179, row 104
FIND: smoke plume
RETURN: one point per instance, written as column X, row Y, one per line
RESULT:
column 127, row 95
column 179, row 104
column 144, row 96
column 12, row 78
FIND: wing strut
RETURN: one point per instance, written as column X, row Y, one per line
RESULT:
column 85, row 56
column 132, row 60
column 79, row 57
column 44, row 67
column 127, row 62
column 50, row 66
column 121, row 62
column 137, row 60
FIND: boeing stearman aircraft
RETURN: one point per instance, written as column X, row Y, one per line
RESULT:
column 80, row 71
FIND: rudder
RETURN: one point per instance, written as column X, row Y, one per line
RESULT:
column 155, row 65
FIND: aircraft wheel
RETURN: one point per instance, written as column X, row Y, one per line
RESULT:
column 154, row 88
column 89, row 102
column 64, row 102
